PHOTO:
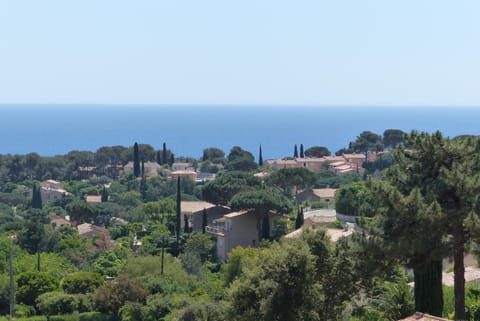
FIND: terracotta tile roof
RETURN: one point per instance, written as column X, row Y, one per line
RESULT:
column 423, row 317
column 359, row 156
column 93, row 199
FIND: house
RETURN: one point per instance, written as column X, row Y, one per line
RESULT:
column 356, row 159
column 51, row 191
column 344, row 164
column 194, row 211
column 423, row 317
column 277, row 164
column 232, row 230
column 86, row 172
column 192, row 175
column 58, row 221
column 100, row 234
column 182, row 166
column 150, row 168
column 317, row 195
column 93, row 199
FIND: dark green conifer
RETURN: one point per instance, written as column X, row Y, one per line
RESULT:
column 172, row 160
column 36, row 197
column 143, row 188
column 260, row 157
column 300, row 219
column 104, row 195
column 204, row 220
column 164, row 154
column 266, row 227
column 159, row 158
column 302, row 155
column 186, row 227
column 179, row 210
column 136, row 161
column 295, row 151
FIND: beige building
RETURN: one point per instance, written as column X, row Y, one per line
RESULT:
column 317, row 194
column 184, row 173
column 194, row 212
column 151, row 168
column 51, row 191
column 232, row 230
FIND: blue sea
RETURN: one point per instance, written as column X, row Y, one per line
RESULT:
column 187, row 130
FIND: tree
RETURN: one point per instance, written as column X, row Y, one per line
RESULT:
column 104, row 194
column 317, row 151
column 280, row 287
column 439, row 179
column 355, row 199
column 112, row 296
column 204, row 220
column 260, row 157
column 299, row 219
column 297, row 178
column 136, row 161
column 31, row 284
column 302, row 155
column 393, row 137
column 366, row 142
column 178, row 210
column 240, row 160
column 295, row 151
column 262, row 202
column 82, row 282
column 164, row 154
column 225, row 186
column 36, row 197
column 213, row 154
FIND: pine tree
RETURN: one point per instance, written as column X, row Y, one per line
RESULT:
column 179, row 211
column 260, row 157
column 299, row 220
column 295, row 151
column 432, row 198
column 204, row 220
column 136, row 161
column 104, row 195
column 302, row 155
column 164, row 154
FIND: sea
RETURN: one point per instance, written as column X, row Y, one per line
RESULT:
column 57, row 129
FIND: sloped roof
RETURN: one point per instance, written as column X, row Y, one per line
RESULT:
column 93, row 199
column 423, row 317
column 194, row 206
column 324, row 192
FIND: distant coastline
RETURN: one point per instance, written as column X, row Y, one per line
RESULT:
column 188, row 129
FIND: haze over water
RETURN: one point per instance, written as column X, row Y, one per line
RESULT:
column 187, row 130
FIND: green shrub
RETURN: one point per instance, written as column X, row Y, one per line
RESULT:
column 53, row 303
column 94, row 316
column 65, row 317
column 82, row 282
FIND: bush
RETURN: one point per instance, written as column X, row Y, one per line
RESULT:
column 53, row 303
column 32, row 284
column 94, row 316
column 82, row 282
column 65, row 317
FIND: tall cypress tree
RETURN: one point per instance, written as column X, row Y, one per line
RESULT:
column 179, row 210
column 260, row 157
column 204, row 220
column 172, row 160
column 136, row 161
column 104, row 195
column 164, row 154
column 295, row 151
column 36, row 197
column 186, row 227
column 302, row 155
column 300, row 219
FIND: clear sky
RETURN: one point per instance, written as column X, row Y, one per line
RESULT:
column 318, row 52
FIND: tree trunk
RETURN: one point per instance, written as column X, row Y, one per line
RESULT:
column 459, row 276
column 428, row 288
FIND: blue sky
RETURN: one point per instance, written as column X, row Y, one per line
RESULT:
column 268, row 52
